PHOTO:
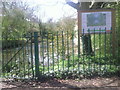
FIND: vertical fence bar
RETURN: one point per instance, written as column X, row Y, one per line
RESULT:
column 63, row 48
column 48, row 50
column 11, row 56
column 23, row 58
column 94, row 50
column 15, row 67
column 14, row 61
column 58, row 51
column 83, row 54
column 7, row 56
column 73, row 49
column 43, row 52
column 78, row 51
column 114, row 40
column 53, row 50
column 89, row 66
column 28, row 50
column 111, row 48
column 68, row 49
column 100, row 49
column 36, row 54
column 105, row 47
column 19, row 57
column 31, row 48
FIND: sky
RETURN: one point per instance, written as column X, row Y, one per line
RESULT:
column 52, row 9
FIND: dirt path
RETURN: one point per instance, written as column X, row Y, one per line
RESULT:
column 98, row 83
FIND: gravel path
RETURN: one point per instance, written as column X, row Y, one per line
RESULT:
column 98, row 83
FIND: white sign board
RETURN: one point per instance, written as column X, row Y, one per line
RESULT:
column 96, row 21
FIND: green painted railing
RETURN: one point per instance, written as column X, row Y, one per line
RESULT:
column 60, row 54
column 17, row 57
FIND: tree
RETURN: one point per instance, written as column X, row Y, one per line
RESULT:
column 14, row 23
column 17, row 19
column 66, row 24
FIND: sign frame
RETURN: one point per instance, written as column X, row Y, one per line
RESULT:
column 80, row 31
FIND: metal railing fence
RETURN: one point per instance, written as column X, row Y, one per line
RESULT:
column 56, row 54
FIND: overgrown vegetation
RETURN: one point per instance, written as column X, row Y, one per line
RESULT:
column 85, row 66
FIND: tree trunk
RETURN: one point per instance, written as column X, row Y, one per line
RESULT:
column 87, row 46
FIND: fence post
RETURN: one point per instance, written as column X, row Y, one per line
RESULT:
column 36, row 53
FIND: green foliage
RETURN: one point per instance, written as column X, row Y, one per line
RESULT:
column 14, row 23
column 93, row 66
